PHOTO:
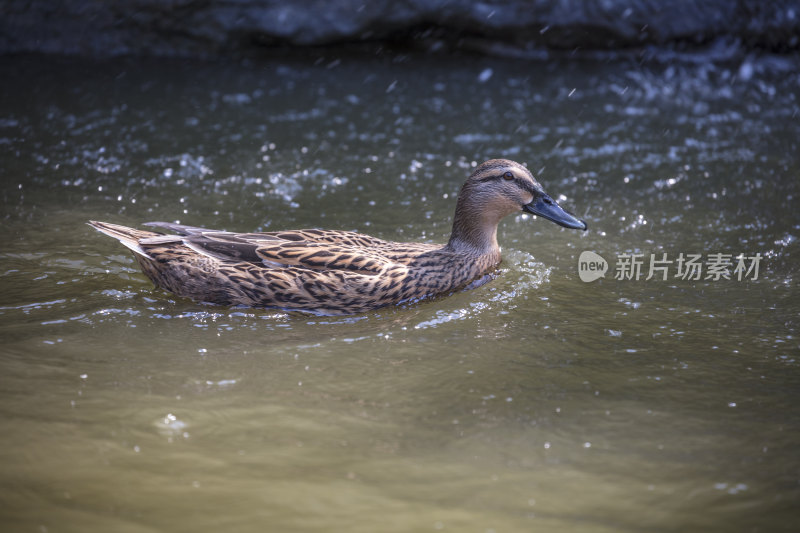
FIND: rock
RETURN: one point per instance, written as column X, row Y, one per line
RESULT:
column 206, row 28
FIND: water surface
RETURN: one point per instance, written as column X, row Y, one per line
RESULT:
column 536, row 401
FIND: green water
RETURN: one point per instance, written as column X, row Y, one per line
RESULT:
column 535, row 402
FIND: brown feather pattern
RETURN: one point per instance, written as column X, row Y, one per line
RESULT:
column 327, row 271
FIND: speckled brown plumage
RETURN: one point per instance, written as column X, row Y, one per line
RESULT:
column 333, row 272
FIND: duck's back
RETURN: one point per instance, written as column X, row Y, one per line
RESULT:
column 322, row 271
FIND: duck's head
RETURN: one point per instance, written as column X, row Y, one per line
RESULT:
column 496, row 189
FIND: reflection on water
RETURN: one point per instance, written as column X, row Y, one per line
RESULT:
column 535, row 400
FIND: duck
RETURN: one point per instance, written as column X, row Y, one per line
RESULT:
column 332, row 272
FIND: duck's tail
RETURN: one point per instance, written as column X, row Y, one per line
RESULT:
column 129, row 237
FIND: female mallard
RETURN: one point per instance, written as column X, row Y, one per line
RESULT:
column 340, row 272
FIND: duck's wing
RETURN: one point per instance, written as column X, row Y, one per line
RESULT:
column 180, row 229
column 344, row 238
column 349, row 238
column 313, row 249
column 403, row 253
column 274, row 251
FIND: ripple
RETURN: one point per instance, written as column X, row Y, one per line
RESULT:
column 171, row 426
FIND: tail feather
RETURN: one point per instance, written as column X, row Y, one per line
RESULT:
column 129, row 237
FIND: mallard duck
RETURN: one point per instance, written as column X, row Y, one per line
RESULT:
column 340, row 272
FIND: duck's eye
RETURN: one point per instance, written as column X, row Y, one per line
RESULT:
column 508, row 175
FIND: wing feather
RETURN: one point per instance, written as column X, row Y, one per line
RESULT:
column 180, row 229
column 309, row 249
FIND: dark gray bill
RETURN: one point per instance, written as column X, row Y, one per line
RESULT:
column 546, row 207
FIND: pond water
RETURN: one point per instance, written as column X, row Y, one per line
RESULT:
column 537, row 401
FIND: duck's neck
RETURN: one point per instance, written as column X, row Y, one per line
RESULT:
column 474, row 228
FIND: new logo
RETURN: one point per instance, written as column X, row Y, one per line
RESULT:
column 591, row 266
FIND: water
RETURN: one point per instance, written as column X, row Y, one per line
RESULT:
column 536, row 401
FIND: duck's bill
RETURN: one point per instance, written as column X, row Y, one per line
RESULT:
column 547, row 208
